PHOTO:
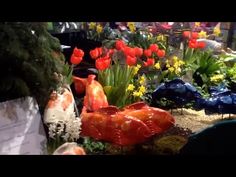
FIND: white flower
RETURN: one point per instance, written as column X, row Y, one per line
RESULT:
column 60, row 128
column 52, row 129
column 73, row 126
column 68, row 129
column 66, row 136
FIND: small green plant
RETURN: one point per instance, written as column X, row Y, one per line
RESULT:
column 92, row 146
column 204, row 66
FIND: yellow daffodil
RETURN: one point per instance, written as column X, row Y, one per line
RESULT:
column 157, row 65
column 137, row 94
column 217, row 78
column 92, row 25
column 167, row 65
column 175, row 58
column 131, row 87
column 202, row 34
column 142, row 80
column 161, row 37
column 99, row 28
column 216, row 31
column 136, row 69
column 131, row 26
column 142, row 89
column 176, row 65
column 197, row 24
column 177, row 70
column 181, row 62
column 171, row 69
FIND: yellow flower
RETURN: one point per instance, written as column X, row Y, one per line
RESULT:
column 92, row 25
column 202, row 34
column 161, row 37
column 167, row 65
column 175, row 59
column 216, row 31
column 181, row 62
column 197, row 24
column 142, row 89
column 171, row 69
column 137, row 94
column 177, row 70
column 142, row 80
column 217, row 78
column 157, row 65
column 99, row 29
column 136, row 69
column 176, row 65
column 131, row 87
column 131, row 26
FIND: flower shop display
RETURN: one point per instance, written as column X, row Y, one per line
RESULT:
column 128, row 87
column 131, row 68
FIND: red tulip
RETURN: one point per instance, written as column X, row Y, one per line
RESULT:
column 131, row 60
column 192, row 44
column 153, row 47
column 100, row 51
column 186, row 34
column 120, row 44
column 161, row 53
column 138, row 51
column 194, row 35
column 201, row 44
column 94, row 53
column 149, row 62
column 78, row 52
column 147, row 53
column 103, row 63
column 129, row 51
column 75, row 60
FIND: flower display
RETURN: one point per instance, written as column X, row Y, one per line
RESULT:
column 137, row 59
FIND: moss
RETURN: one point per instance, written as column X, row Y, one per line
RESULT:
column 169, row 144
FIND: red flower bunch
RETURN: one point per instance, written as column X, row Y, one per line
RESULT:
column 190, row 35
column 77, row 56
column 102, row 57
column 130, row 53
column 193, row 43
column 97, row 52
column 153, row 49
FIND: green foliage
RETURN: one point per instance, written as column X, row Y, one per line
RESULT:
column 231, row 73
column 142, row 39
column 115, row 81
column 92, row 146
column 29, row 58
column 203, row 65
